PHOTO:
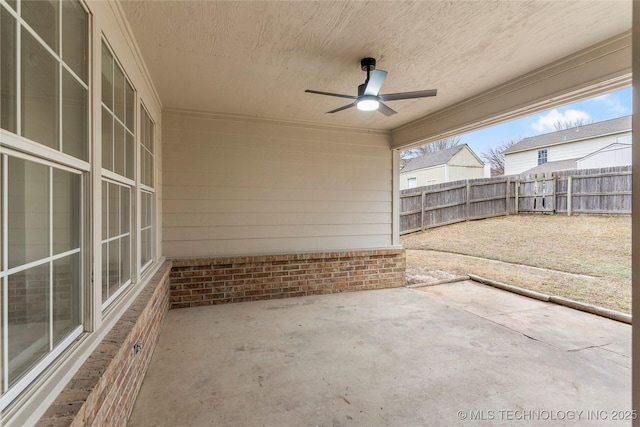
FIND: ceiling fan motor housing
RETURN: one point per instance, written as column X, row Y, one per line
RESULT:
column 368, row 64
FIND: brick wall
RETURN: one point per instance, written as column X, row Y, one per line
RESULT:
column 208, row 281
column 104, row 390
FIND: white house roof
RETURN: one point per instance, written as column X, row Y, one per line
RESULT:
column 607, row 127
column 435, row 159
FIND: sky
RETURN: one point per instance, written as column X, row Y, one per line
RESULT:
column 603, row 107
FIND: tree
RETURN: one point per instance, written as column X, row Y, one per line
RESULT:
column 568, row 124
column 430, row 148
column 495, row 156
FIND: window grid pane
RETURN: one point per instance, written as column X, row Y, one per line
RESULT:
column 8, row 91
column 75, row 26
column 146, row 228
column 75, row 129
column 42, row 17
column 28, row 326
column 39, row 93
column 146, row 149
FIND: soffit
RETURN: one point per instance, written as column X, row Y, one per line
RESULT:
column 256, row 58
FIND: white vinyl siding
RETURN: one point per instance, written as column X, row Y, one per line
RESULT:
column 243, row 187
column 615, row 155
column 459, row 173
column 516, row 163
column 435, row 174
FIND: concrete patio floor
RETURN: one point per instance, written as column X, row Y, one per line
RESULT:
column 457, row 354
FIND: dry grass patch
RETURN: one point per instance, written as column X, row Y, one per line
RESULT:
column 585, row 258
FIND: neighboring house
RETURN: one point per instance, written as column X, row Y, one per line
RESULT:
column 453, row 164
column 617, row 154
column 562, row 150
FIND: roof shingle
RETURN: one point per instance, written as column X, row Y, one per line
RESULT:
column 432, row 159
column 606, row 127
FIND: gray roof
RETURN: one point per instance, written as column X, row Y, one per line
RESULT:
column 433, row 159
column 606, row 127
column 548, row 167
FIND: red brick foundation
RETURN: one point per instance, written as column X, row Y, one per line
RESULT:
column 208, row 281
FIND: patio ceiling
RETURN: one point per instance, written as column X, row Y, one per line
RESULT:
column 257, row 58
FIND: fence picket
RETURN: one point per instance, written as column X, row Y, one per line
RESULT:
column 595, row 191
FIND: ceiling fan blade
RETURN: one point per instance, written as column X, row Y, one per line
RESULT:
column 339, row 95
column 375, row 82
column 408, row 95
column 341, row 108
column 384, row 109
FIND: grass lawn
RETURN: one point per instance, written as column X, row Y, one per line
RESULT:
column 585, row 258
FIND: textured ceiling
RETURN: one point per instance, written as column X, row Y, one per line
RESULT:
column 257, row 58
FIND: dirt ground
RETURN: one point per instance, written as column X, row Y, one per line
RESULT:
column 585, row 258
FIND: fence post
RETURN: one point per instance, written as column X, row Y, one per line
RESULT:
column 422, row 210
column 468, row 199
column 506, row 206
column 554, row 185
column 516, row 200
column 569, row 187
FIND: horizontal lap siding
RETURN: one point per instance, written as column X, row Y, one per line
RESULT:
column 249, row 187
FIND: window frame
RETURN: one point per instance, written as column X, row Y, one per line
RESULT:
column 10, row 393
column 542, row 156
column 111, row 177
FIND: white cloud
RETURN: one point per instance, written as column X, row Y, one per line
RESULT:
column 612, row 103
column 547, row 121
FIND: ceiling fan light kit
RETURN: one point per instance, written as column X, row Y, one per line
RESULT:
column 369, row 98
column 368, row 103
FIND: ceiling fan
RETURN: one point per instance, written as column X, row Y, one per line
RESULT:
column 368, row 98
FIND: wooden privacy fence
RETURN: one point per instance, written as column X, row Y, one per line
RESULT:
column 589, row 191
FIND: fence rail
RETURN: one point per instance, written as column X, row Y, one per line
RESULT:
column 588, row 191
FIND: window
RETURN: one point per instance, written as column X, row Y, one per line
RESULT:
column 147, row 164
column 44, row 98
column 542, row 156
column 41, row 274
column 412, row 182
column 118, row 161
